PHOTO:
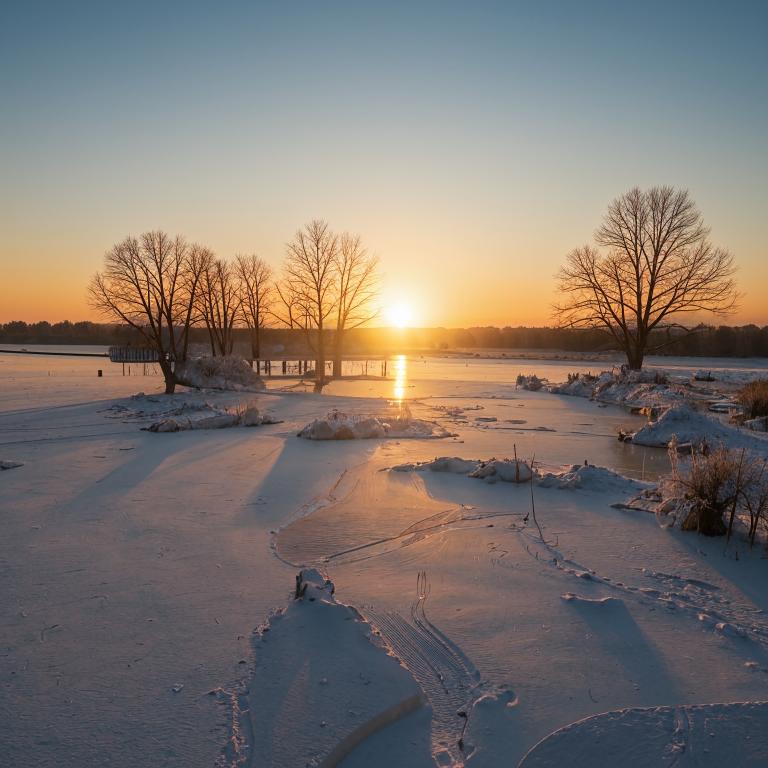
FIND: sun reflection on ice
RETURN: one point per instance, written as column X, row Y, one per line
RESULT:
column 401, row 377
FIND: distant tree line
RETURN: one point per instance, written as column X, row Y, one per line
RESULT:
column 706, row 341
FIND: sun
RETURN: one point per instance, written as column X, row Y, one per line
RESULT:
column 399, row 315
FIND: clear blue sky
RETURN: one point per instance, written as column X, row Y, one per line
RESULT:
column 471, row 145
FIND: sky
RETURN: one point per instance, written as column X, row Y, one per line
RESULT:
column 471, row 145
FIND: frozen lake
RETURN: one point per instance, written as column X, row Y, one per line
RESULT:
column 136, row 567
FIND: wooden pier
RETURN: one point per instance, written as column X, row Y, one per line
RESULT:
column 295, row 365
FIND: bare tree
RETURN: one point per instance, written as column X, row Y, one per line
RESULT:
column 254, row 277
column 657, row 265
column 219, row 304
column 287, row 309
column 151, row 283
column 310, row 272
column 357, row 285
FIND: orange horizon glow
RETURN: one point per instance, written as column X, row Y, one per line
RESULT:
column 457, row 301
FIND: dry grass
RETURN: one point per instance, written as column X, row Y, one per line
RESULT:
column 754, row 398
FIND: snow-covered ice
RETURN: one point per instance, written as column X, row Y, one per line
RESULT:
column 467, row 627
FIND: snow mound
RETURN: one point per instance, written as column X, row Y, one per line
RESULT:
column 229, row 372
column 206, row 416
column 590, row 478
column 694, row 428
column 716, row 734
column 342, row 426
column 451, row 464
column 323, row 681
column 492, row 471
column 506, row 470
column 4, row 464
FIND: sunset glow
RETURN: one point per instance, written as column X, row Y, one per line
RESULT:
column 400, row 316
column 401, row 376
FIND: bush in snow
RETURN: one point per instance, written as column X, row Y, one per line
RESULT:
column 229, row 372
column 708, row 492
column 578, row 385
column 532, row 382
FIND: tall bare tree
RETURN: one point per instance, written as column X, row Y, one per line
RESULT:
column 254, row 278
column 357, row 285
column 219, row 304
column 655, row 265
column 151, row 283
column 310, row 271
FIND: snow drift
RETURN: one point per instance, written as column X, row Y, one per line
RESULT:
column 206, row 416
column 590, row 478
column 694, row 428
column 324, row 681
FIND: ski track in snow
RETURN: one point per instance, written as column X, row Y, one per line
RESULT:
column 445, row 674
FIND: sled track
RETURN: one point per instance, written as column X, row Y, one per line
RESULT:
column 445, row 674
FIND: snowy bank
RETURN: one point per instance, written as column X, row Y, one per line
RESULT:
column 590, row 478
column 694, row 428
column 323, row 681
column 230, row 372
column 581, row 476
column 342, row 426
column 633, row 389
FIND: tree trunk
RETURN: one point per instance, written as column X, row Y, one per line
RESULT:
column 337, row 353
column 635, row 357
column 168, row 375
column 320, row 362
column 255, row 344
